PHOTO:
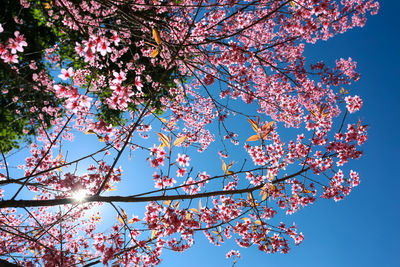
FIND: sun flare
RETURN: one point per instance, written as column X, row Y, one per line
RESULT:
column 80, row 195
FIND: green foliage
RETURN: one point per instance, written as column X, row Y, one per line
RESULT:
column 22, row 99
column 18, row 118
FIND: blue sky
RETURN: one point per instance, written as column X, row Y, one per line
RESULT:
column 361, row 230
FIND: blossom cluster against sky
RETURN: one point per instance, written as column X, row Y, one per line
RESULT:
column 361, row 230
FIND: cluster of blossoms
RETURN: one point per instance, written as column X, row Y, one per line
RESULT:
column 96, row 44
column 354, row 103
column 163, row 182
column 258, row 155
column 193, row 186
column 340, row 187
column 9, row 50
column 233, row 253
column 74, row 102
column 144, row 64
column 157, row 156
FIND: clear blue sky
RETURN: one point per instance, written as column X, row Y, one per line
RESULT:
column 362, row 230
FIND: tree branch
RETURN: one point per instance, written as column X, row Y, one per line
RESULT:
column 133, row 199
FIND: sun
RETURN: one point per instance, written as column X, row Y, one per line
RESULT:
column 80, row 195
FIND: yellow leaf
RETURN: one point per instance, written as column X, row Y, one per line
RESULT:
column 188, row 216
column 157, row 37
column 292, row 4
column 48, row 5
column 112, row 189
column 176, row 205
column 257, row 222
column 194, row 210
column 249, row 196
column 154, row 53
column 253, row 138
column 254, row 125
column 165, row 140
column 124, row 214
column 268, row 126
column 313, row 113
column 167, row 202
column 245, row 219
column 101, row 139
column 306, row 191
column 153, row 234
column 229, row 172
column 199, row 204
column 180, row 140
column 215, row 232
column 120, row 220
column 163, row 120
column 265, row 135
column 265, row 195
column 59, row 157
column 229, row 165
column 89, row 132
column 223, row 165
column 322, row 109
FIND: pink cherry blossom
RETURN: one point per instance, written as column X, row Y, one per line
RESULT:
column 119, row 77
column 183, row 160
column 138, row 83
column 353, row 103
column 66, row 74
column 103, row 47
column 9, row 58
column 17, row 44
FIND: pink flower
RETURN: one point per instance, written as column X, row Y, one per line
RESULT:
column 103, row 47
column 119, row 77
column 298, row 239
column 79, row 49
column 115, row 38
column 66, row 74
column 181, row 172
column 353, row 103
column 1, row 28
column 85, row 102
column 7, row 57
column 355, row 178
column 138, row 83
column 17, row 44
column 183, row 160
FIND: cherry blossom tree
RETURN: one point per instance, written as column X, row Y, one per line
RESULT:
column 162, row 82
